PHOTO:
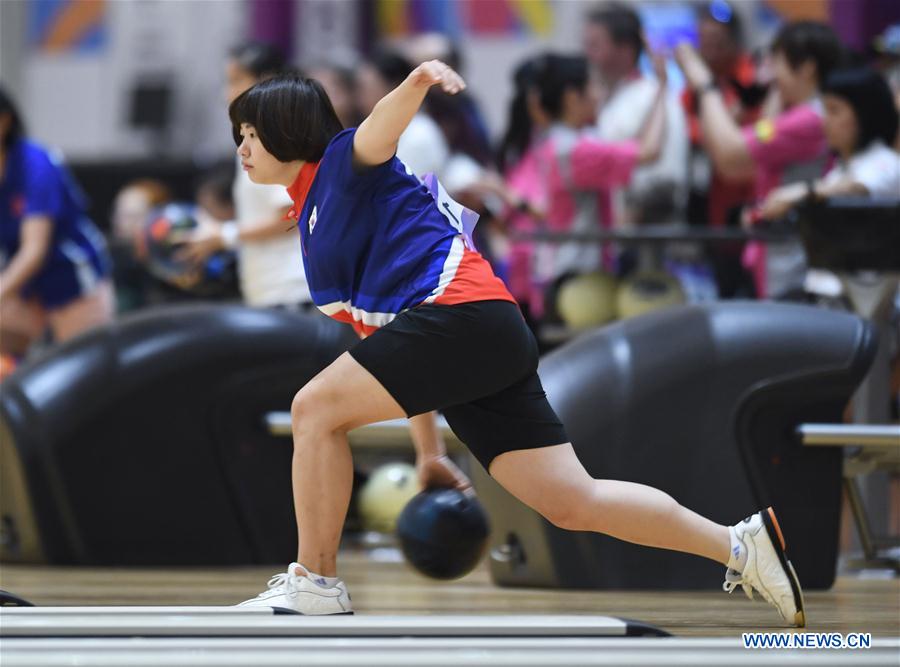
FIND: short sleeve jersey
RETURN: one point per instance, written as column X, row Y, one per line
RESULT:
column 376, row 241
column 35, row 184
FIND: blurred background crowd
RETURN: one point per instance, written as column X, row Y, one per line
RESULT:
column 589, row 131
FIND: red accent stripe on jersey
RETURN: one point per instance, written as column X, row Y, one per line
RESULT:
column 343, row 316
column 358, row 326
column 364, row 330
column 300, row 188
column 474, row 281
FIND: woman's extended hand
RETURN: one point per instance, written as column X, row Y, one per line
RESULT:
column 377, row 136
column 440, row 472
column 436, row 72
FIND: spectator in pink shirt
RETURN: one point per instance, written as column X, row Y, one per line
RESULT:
column 518, row 185
column 861, row 123
column 578, row 170
column 522, row 186
column 561, row 175
column 775, row 151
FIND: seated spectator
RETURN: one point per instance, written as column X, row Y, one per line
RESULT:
column 860, row 126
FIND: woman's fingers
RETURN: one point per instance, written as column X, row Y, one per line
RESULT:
column 453, row 82
column 436, row 72
column 442, row 472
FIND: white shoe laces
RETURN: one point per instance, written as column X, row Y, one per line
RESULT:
column 283, row 582
column 733, row 579
column 282, row 579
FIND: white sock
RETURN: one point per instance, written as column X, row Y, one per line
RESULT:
column 737, row 560
column 319, row 580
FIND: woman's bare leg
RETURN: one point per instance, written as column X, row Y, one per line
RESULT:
column 552, row 481
column 342, row 397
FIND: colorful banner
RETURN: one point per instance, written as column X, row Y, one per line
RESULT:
column 67, row 26
column 399, row 18
column 800, row 10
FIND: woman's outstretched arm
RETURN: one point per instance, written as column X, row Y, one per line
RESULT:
column 377, row 136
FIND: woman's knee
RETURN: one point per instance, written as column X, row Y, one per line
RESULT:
column 310, row 409
column 568, row 507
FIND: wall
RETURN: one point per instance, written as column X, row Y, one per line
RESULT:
column 80, row 102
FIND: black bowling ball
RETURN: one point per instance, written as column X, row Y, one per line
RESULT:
column 443, row 533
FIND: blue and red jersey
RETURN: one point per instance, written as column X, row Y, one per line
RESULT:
column 377, row 241
column 34, row 184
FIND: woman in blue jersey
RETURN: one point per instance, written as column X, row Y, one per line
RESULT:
column 54, row 267
column 392, row 256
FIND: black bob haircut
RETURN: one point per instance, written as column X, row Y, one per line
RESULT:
column 868, row 93
column 623, row 24
column 17, row 127
column 292, row 116
column 810, row 40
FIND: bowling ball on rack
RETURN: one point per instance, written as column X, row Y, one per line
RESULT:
column 648, row 291
column 384, row 495
column 588, row 300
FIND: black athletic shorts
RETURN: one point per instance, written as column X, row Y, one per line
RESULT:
column 476, row 363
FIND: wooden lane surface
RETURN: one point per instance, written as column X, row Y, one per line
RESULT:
column 853, row 605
